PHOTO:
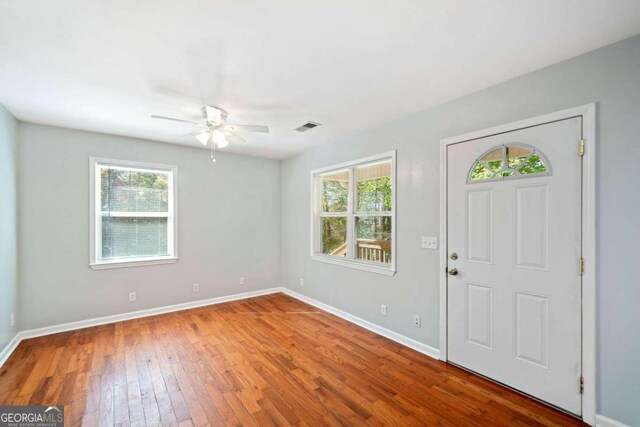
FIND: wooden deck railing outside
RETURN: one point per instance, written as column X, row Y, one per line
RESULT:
column 368, row 250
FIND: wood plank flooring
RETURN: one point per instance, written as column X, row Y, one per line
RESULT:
column 270, row 360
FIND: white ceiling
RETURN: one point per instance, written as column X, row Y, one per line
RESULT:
column 106, row 65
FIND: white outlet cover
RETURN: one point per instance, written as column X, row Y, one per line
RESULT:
column 417, row 321
column 132, row 296
column 383, row 310
column 196, row 287
column 429, row 243
column 242, row 280
column 301, row 281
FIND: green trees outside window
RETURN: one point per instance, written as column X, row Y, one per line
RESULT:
column 509, row 161
column 356, row 209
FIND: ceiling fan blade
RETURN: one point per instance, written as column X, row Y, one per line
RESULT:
column 194, row 133
column 247, row 128
column 234, row 139
column 172, row 119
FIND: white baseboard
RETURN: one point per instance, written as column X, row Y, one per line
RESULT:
column 9, row 348
column 48, row 330
column 602, row 421
column 64, row 327
column 394, row 336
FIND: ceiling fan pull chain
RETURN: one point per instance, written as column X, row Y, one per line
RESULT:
column 213, row 151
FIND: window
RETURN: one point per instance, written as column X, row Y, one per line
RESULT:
column 133, row 219
column 353, row 219
column 509, row 161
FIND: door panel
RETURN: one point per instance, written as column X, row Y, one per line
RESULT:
column 532, row 226
column 480, row 226
column 479, row 315
column 514, row 309
column 532, row 329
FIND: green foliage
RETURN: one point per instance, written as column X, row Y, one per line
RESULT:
column 373, row 228
column 334, row 196
column 480, row 172
column 374, row 195
column 495, row 165
column 532, row 165
column 334, row 233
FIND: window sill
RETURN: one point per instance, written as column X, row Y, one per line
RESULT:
column 139, row 262
column 358, row 265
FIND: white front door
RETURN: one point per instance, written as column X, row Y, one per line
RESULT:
column 514, row 220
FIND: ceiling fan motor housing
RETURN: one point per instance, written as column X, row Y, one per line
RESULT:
column 213, row 115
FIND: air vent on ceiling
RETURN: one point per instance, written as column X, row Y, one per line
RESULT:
column 307, row 126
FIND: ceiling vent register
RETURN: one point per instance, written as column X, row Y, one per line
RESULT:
column 307, row 126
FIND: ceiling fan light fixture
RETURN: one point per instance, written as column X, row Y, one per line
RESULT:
column 214, row 128
column 203, row 137
column 219, row 138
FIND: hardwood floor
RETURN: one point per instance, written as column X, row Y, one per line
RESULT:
column 269, row 360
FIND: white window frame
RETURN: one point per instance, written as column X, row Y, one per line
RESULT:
column 95, row 245
column 350, row 261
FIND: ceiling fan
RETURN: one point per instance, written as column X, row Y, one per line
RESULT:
column 214, row 127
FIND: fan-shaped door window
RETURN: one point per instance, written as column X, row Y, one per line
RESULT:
column 509, row 161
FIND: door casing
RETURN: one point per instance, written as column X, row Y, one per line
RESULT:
column 588, row 114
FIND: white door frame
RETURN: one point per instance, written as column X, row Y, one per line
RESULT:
column 588, row 114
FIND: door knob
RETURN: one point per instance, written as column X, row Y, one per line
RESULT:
column 453, row 272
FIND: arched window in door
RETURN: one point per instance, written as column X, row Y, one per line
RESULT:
column 509, row 161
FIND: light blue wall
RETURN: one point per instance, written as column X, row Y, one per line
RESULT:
column 610, row 77
column 228, row 227
column 8, row 225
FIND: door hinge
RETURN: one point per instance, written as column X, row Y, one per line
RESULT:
column 581, row 385
column 582, row 147
column 581, row 266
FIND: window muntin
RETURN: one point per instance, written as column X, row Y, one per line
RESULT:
column 133, row 213
column 353, row 215
column 509, row 161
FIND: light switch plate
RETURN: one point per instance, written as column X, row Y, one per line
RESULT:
column 429, row 243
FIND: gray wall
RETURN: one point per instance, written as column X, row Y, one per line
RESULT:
column 229, row 226
column 610, row 77
column 8, row 225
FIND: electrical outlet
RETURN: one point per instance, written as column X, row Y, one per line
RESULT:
column 429, row 243
column 383, row 309
column 301, row 281
column 196, row 287
column 132, row 296
column 242, row 280
column 12, row 319
column 417, row 320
